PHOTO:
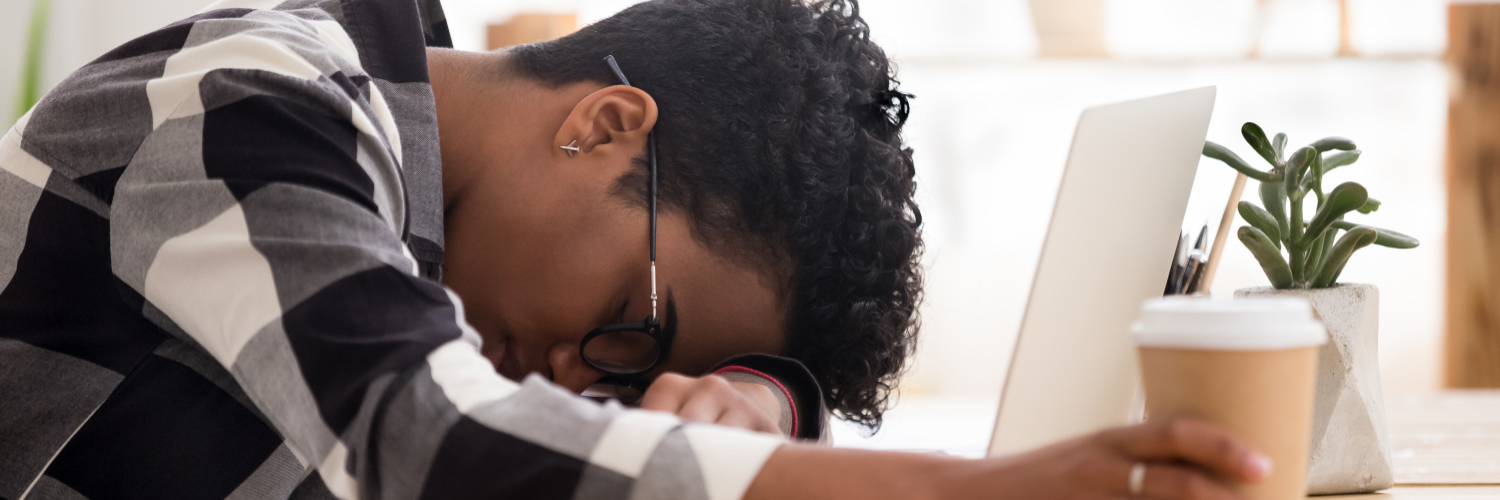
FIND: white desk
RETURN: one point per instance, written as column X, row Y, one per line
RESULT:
column 1427, row 493
column 1445, row 446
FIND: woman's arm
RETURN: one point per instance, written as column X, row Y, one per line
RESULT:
column 1183, row 459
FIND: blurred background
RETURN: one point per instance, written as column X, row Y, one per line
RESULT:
column 999, row 86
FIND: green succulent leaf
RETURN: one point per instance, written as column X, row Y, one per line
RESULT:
column 1336, row 160
column 1356, row 239
column 1332, row 143
column 1326, row 247
column 1273, row 198
column 1262, row 220
column 1268, row 255
column 1345, row 198
column 1279, row 144
column 1371, row 205
column 1316, row 173
column 1257, row 139
column 1296, row 166
column 1329, row 238
column 1340, row 159
column 1387, row 238
column 1221, row 153
column 1314, row 256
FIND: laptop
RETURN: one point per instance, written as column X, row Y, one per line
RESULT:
column 1116, row 223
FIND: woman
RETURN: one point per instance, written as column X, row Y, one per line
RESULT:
column 221, row 246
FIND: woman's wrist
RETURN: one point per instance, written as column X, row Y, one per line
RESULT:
column 820, row 472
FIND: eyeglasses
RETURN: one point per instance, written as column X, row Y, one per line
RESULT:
column 626, row 350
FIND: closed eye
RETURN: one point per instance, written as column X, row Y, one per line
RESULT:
column 620, row 315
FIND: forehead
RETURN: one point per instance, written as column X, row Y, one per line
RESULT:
column 724, row 307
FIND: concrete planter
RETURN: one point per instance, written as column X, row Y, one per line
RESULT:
column 1351, row 452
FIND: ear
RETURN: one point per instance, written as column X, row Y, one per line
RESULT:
column 611, row 121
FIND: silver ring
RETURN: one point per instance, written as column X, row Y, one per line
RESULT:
column 1137, row 479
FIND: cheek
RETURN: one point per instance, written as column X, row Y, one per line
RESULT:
column 563, row 281
column 556, row 290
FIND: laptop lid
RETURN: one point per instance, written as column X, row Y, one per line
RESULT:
column 1115, row 225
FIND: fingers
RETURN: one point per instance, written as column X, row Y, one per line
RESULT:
column 667, row 393
column 760, row 409
column 745, row 420
column 705, row 405
column 1171, row 482
column 1161, row 481
column 712, row 400
column 700, row 399
column 1103, row 473
column 1196, row 442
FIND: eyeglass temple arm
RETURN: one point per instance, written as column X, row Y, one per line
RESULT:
column 651, row 147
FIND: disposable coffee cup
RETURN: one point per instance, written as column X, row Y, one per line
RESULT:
column 1248, row 366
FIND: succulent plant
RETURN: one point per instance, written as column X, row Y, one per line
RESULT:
column 1296, row 252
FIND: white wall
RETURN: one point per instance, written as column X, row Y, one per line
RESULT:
column 467, row 18
column 12, row 41
column 991, row 141
column 80, row 30
column 991, row 132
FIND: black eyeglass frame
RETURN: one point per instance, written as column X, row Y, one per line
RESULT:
column 651, row 326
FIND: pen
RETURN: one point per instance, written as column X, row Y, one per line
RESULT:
column 1192, row 272
column 1174, row 271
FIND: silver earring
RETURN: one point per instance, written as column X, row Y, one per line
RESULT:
column 571, row 148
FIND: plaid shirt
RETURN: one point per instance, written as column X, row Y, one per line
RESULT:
column 219, row 246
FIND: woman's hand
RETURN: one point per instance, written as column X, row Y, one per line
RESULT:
column 715, row 400
column 1185, row 460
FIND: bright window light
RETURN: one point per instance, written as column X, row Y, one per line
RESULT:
column 1179, row 29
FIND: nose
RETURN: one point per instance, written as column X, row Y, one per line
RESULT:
column 569, row 369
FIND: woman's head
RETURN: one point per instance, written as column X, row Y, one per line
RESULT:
column 779, row 130
column 778, row 126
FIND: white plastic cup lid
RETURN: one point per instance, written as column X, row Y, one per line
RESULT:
column 1247, row 324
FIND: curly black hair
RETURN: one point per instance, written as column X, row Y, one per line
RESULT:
column 780, row 138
